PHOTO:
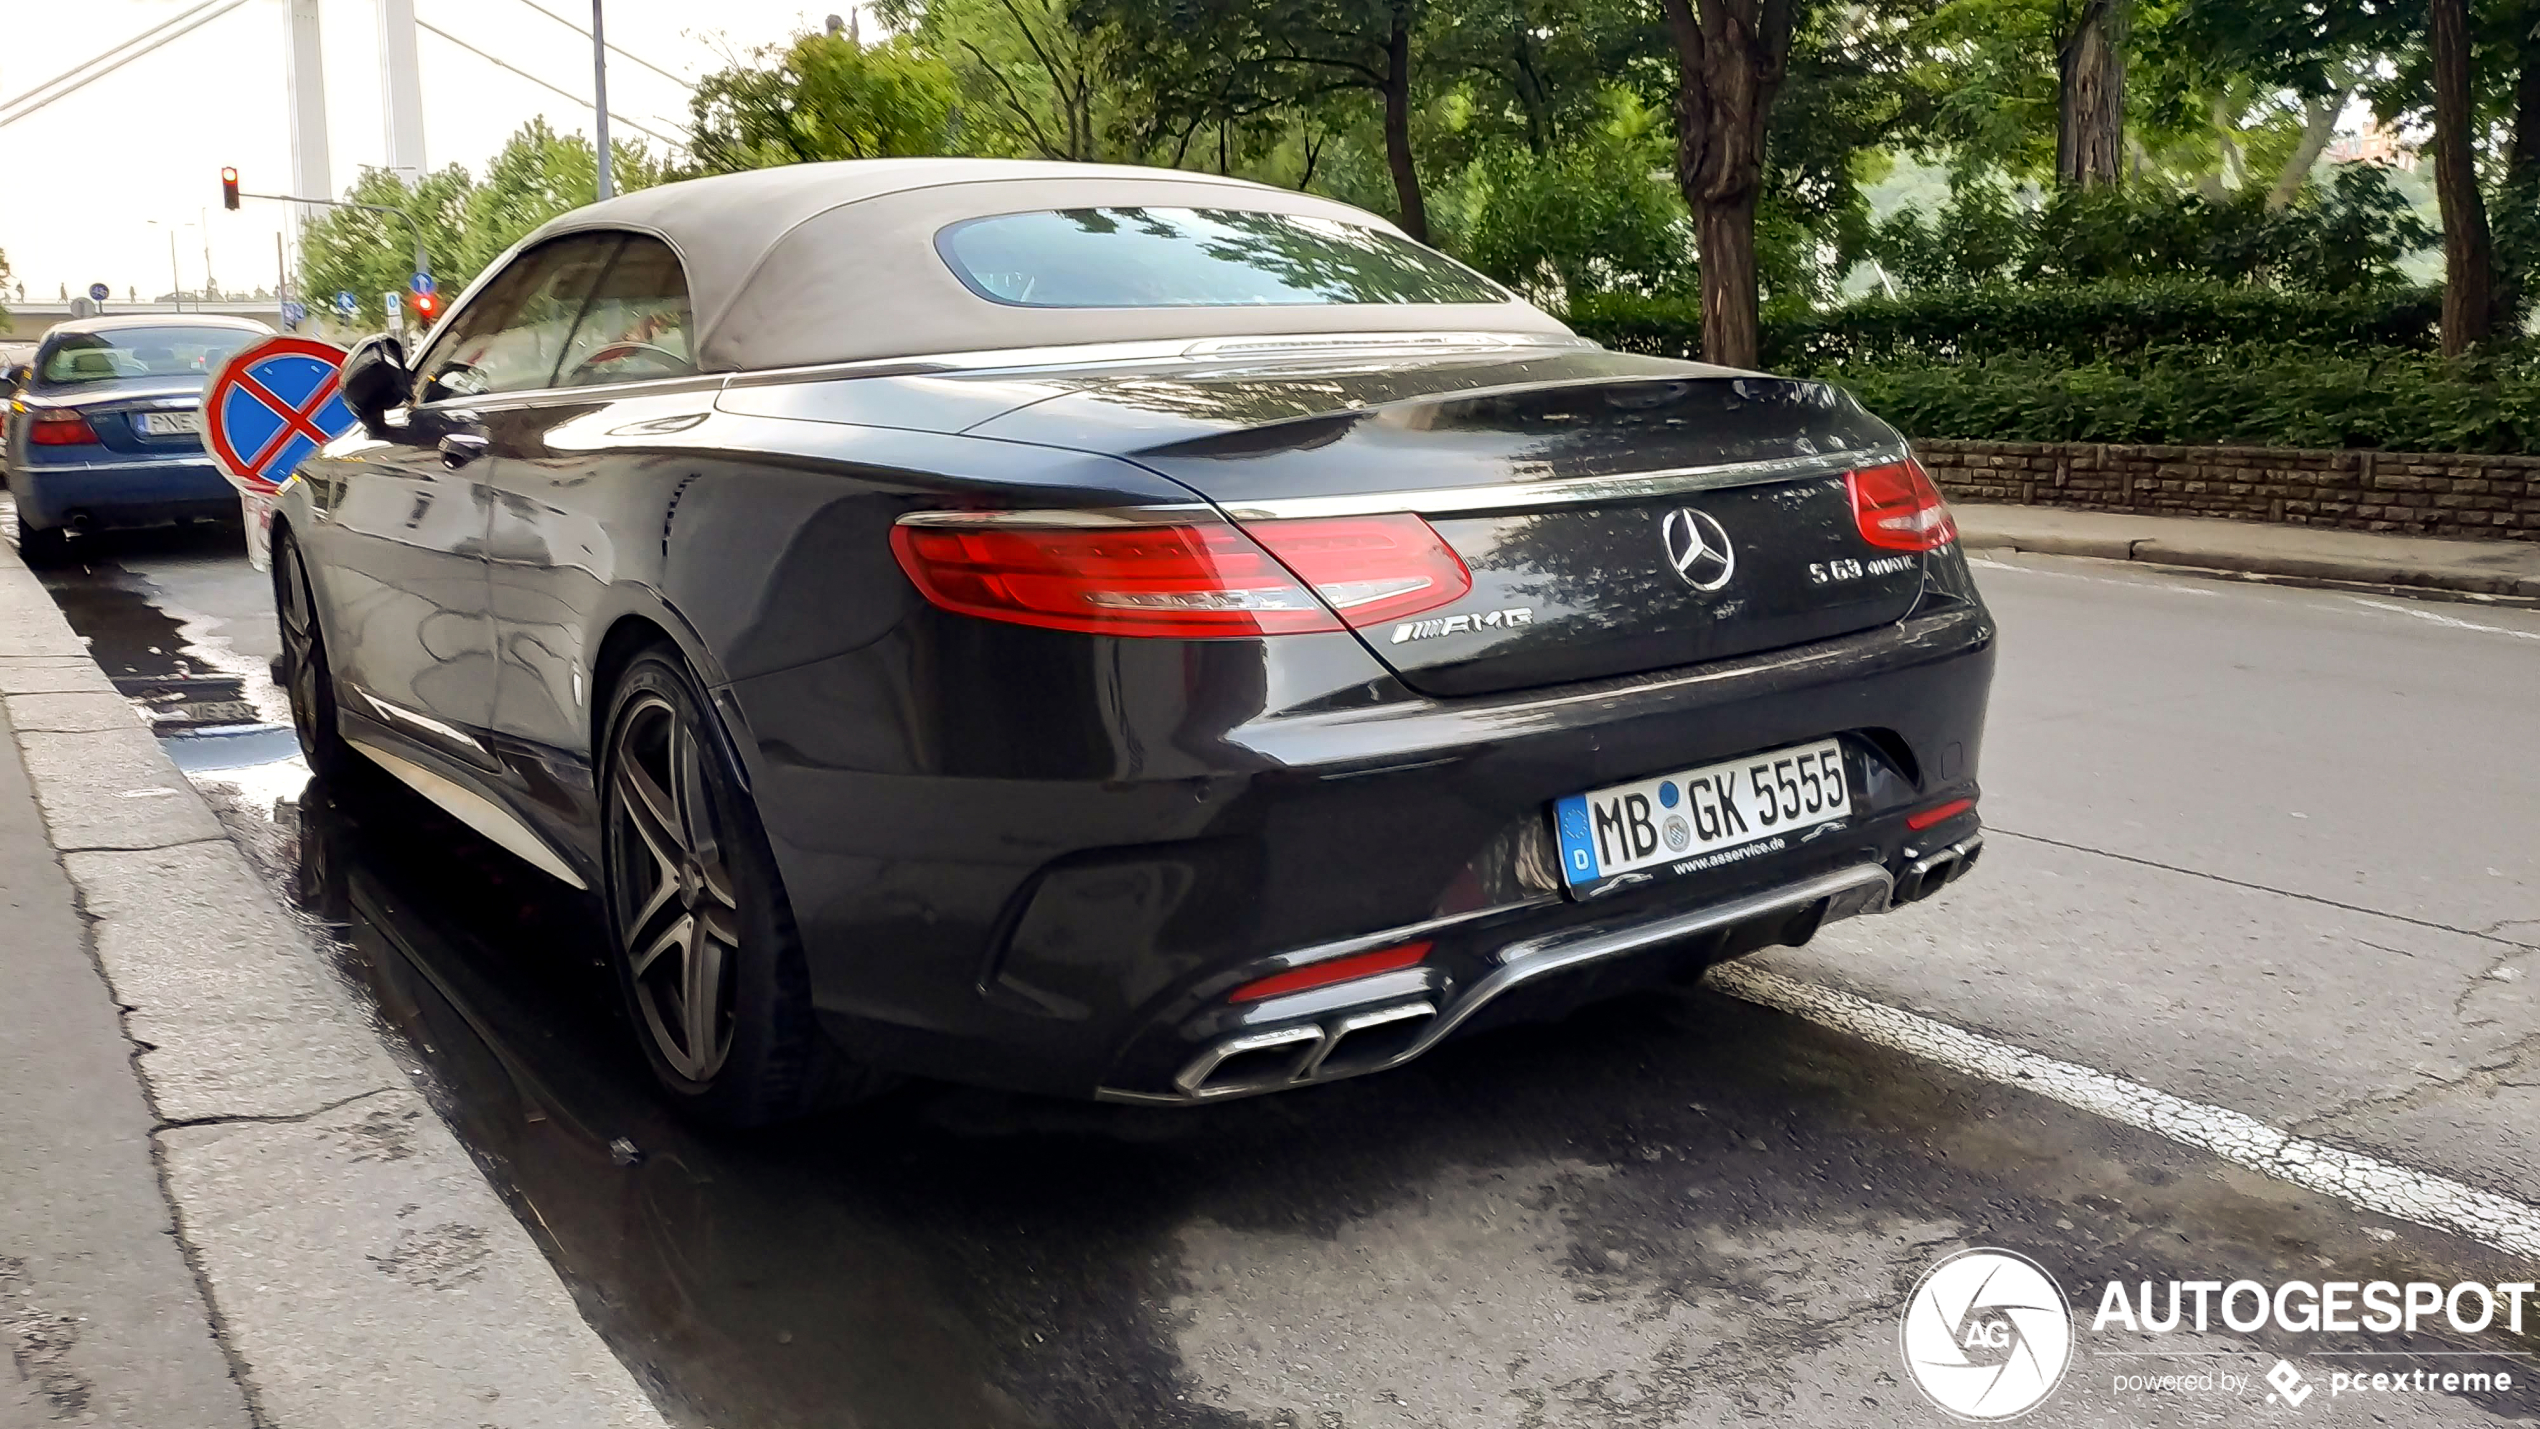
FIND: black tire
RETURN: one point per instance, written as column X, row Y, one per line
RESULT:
column 44, row 546
column 304, row 674
column 696, row 911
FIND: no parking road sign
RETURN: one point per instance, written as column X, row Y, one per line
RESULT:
column 271, row 407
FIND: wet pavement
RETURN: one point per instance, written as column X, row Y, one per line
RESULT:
column 1675, row 1210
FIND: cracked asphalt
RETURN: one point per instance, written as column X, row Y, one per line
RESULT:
column 2264, row 850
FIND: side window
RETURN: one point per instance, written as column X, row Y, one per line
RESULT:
column 636, row 324
column 508, row 338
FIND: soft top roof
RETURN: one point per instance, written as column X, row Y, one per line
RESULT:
column 819, row 263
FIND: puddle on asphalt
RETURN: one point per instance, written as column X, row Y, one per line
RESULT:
column 1677, row 1210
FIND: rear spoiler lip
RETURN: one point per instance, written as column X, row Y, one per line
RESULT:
column 1572, row 491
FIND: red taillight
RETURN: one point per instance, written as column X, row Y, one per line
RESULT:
column 1898, row 508
column 1324, row 974
column 60, row 429
column 1937, row 813
column 1186, row 580
column 1371, row 569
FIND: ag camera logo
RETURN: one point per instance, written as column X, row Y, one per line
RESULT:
column 1987, row 1335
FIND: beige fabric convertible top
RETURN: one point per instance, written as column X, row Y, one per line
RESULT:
column 816, row 263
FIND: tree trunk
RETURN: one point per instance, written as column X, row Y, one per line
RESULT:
column 1730, row 58
column 2468, row 257
column 1414, row 215
column 2523, row 169
column 1732, row 334
column 2090, row 113
column 2319, row 125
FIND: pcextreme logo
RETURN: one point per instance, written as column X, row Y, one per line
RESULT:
column 1986, row 1335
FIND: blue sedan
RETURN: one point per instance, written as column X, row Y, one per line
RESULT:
column 105, row 429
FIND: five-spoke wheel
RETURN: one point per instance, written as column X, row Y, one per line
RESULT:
column 679, row 917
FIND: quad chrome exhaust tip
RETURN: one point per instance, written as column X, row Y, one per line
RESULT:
column 1390, row 1019
column 1306, row 1052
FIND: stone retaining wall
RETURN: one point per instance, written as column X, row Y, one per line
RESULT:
column 2416, row 493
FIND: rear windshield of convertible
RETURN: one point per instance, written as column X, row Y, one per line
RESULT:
column 1197, row 257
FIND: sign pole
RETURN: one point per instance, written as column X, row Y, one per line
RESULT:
column 600, row 97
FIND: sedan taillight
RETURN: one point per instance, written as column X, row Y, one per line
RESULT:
column 1185, row 579
column 60, row 429
column 1898, row 508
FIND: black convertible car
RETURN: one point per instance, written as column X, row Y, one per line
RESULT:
column 1118, row 632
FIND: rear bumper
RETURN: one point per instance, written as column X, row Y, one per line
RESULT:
column 1077, row 934
column 141, row 491
column 1378, row 1023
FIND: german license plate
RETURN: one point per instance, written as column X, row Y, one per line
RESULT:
column 169, row 424
column 1702, row 818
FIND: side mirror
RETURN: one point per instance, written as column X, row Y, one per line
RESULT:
column 374, row 378
column 14, row 379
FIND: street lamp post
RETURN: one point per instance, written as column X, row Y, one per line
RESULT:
column 176, row 284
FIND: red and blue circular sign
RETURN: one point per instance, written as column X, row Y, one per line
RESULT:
column 271, row 407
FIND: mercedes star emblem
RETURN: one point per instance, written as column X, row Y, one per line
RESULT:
column 1698, row 548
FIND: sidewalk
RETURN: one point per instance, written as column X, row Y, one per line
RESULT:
column 222, row 1203
column 2496, row 568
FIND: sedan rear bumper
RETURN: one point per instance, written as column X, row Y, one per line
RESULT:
column 137, row 492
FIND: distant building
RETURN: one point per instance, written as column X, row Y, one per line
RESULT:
column 2375, row 145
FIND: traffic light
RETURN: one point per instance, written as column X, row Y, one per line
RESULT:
column 229, row 188
column 427, row 306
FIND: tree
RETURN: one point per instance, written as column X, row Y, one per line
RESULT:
column 1029, row 79
column 2090, row 65
column 1198, row 63
column 2468, row 253
column 1730, row 56
column 4, row 277
column 824, row 96
column 466, row 224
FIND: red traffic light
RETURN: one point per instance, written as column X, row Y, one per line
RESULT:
column 229, row 188
column 427, row 306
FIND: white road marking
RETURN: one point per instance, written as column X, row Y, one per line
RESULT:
column 2399, row 1192
column 1993, row 565
column 2454, row 622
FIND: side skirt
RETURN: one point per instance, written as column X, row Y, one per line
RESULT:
column 476, row 811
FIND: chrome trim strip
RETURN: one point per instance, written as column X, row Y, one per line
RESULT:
column 1390, row 937
column 1868, row 887
column 1175, row 513
column 1357, row 992
column 1630, row 486
column 416, row 719
column 476, row 811
column 1149, row 350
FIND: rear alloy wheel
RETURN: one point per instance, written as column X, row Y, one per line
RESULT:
column 42, row 546
column 707, row 954
column 302, row 670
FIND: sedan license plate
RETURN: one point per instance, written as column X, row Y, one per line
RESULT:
column 1702, row 818
column 169, row 424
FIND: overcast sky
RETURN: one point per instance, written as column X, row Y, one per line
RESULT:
column 149, row 141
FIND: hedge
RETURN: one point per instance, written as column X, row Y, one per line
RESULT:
column 2075, row 325
column 2236, row 396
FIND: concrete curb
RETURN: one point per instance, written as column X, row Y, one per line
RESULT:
column 2497, row 572
column 360, row 1270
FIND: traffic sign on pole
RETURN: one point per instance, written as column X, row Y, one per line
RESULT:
column 422, row 283
column 99, row 291
column 270, row 407
column 347, row 304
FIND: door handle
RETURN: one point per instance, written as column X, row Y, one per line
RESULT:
column 460, row 448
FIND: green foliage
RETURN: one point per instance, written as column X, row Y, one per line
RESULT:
column 823, row 97
column 2348, row 236
column 4, row 277
column 2248, row 395
column 2076, row 325
column 466, row 224
column 1596, row 217
column 1028, row 78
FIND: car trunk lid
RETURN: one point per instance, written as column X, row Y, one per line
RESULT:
column 1618, row 515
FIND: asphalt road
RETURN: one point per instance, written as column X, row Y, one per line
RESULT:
column 2268, row 850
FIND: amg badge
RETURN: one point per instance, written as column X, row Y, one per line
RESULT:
column 1464, row 624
